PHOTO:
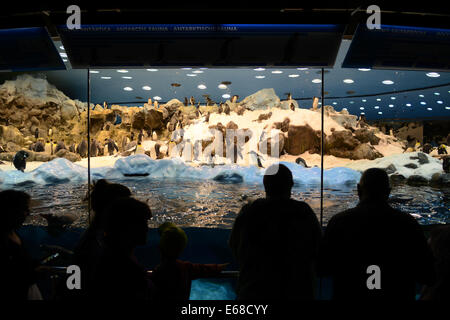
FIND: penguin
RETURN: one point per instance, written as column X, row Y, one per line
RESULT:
column 52, row 147
column 36, row 133
column 105, row 105
column 315, row 103
column 19, row 160
column 227, row 109
column 197, row 114
column 82, row 149
column 154, row 136
column 234, row 98
column 256, row 158
column 171, row 146
column 139, row 149
column 149, row 101
column 289, row 96
column 72, row 148
column 186, row 101
column 39, row 147
column 220, row 108
column 60, row 145
column 192, row 100
column 207, row 117
column 94, row 147
column 132, row 136
column 111, row 145
column 292, row 106
column 140, row 137
column 442, row 149
column 50, row 132
column 156, row 105
column 198, row 105
column 48, row 147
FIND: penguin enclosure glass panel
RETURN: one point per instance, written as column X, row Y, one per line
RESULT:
column 43, row 143
column 395, row 120
column 195, row 142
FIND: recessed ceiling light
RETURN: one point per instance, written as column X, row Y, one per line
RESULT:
column 364, row 69
column 423, row 103
column 364, row 100
column 439, row 102
column 122, row 71
column 433, row 74
column 363, row 113
column 408, row 104
column 226, row 96
column 222, row 86
column 259, row 69
column 260, row 77
column 352, row 102
column 302, row 68
column 436, row 93
column 277, row 71
column 377, row 107
column 128, row 89
column 94, row 71
column 429, row 109
column 388, row 82
column 63, row 54
column 393, row 98
column 316, row 81
column 344, row 108
column 157, row 98
column 379, row 112
column 421, row 95
column 65, row 60
column 197, row 71
column 348, row 80
column 447, row 108
column 187, row 68
column 146, row 88
column 391, row 106
column 62, row 47
column 378, row 99
column 362, row 108
column 201, row 86
column 106, row 78
column 127, row 77
column 294, row 76
column 191, row 75
column 334, row 103
column 152, row 70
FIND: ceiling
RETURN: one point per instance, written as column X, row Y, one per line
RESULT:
column 412, row 95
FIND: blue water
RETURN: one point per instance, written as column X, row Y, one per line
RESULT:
column 207, row 203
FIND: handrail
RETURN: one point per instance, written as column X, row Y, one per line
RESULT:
column 55, row 270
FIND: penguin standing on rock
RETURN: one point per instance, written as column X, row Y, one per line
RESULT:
column 192, row 100
column 234, row 98
column 19, row 160
column 227, row 109
column 292, row 106
column 220, row 108
column 186, row 101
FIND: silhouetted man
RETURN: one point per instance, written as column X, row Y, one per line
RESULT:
column 275, row 241
column 374, row 251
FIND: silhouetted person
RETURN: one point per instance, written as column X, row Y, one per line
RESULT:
column 440, row 245
column 118, row 275
column 91, row 245
column 19, row 160
column 374, row 234
column 173, row 277
column 17, row 269
column 275, row 241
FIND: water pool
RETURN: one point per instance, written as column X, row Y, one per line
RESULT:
column 212, row 204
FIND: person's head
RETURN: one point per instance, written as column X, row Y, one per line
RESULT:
column 173, row 240
column 126, row 223
column 374, row 185
column 15, row 207
column 103, row 193
column 278, row 181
